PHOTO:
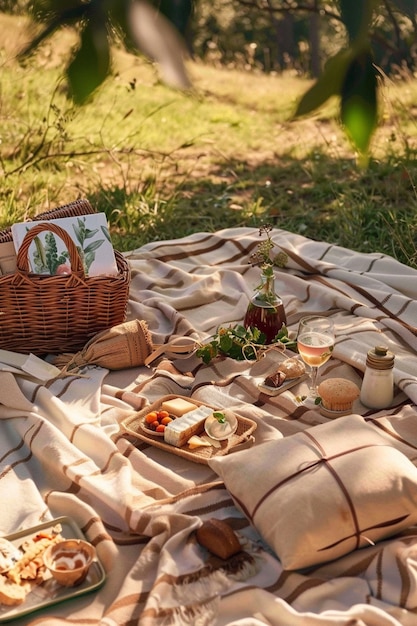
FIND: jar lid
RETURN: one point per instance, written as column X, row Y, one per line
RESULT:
column 380, row 358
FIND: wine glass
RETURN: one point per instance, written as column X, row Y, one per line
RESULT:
column 315, row 342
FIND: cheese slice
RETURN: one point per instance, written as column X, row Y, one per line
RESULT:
column 179, row 431
column 197, row 442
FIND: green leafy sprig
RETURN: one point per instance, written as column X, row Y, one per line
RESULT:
column 240, row 343
column 263, row 257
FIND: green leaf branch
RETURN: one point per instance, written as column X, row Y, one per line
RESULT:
column 242, row 344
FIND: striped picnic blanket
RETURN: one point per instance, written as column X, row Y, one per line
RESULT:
column 64, row 448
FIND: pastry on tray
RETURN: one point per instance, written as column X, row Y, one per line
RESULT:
column 275, row 380
column 287, row 373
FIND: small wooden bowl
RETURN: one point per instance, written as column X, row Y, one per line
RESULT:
column 69, row 561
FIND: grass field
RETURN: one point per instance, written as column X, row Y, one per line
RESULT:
column 163, row 164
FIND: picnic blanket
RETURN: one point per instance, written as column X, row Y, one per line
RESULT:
column 64, row 449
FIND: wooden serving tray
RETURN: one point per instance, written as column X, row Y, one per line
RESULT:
column 242, row 436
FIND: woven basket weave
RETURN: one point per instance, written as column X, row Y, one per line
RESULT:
column 54, row 314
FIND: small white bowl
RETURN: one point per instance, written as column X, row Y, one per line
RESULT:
column 218, row 430
column 69, row 561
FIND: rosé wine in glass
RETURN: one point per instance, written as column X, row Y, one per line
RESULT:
column 315, row 342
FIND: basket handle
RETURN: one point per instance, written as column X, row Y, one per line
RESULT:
column 74, row 257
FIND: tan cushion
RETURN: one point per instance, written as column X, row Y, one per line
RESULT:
column 321, row 493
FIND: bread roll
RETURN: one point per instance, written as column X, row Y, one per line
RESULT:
column 292, row 368
column 11, row 593
column 219, row 538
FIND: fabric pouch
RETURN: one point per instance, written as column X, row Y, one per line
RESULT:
column 123, row 346
column 120, row 347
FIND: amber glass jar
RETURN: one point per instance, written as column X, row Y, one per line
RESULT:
column 266, row 310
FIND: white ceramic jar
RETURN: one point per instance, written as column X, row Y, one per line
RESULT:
column 377, row 390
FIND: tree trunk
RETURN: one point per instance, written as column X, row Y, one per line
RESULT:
column 315, row 65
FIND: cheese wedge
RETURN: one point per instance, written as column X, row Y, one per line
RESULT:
column 177, row 406
column 197, row 442
column 180, row 430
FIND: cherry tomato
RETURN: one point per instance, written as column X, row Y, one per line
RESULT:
column 151, row 417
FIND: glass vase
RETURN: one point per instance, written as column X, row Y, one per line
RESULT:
column 266, row 310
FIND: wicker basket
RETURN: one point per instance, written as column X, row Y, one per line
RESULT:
column 54, row 314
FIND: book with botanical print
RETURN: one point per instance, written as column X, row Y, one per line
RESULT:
column 47, row 252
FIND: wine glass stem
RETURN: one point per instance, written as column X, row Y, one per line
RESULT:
column 313, row 375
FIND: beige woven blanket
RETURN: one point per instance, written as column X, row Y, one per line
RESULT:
column 63, row 450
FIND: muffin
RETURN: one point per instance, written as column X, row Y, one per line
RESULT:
column 337, row 395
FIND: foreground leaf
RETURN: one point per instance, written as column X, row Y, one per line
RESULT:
column 91, row 62
column 359, row 107
column 327, row 85
column 155, row 36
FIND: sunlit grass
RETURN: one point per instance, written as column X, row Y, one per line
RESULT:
column 163, row 164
